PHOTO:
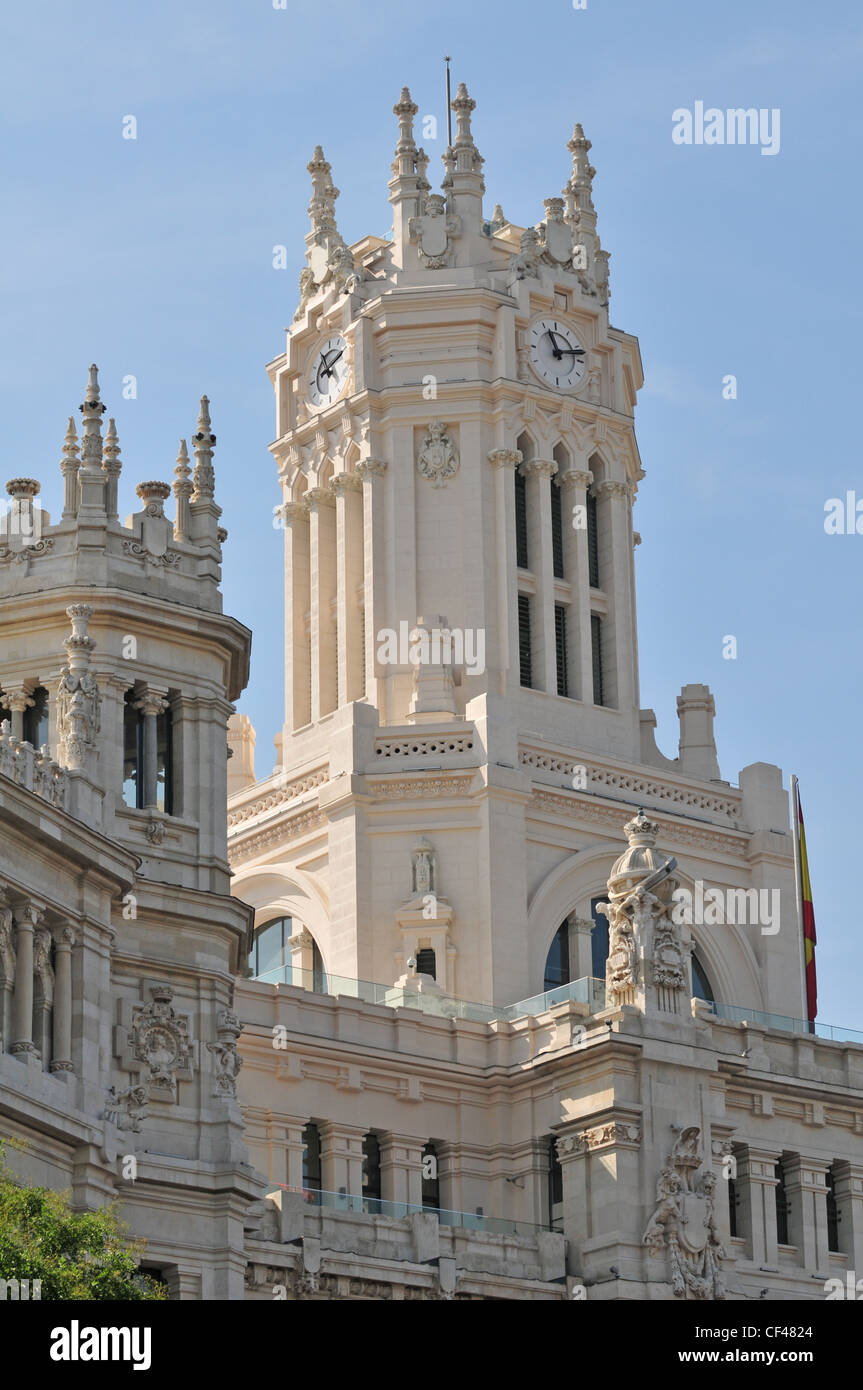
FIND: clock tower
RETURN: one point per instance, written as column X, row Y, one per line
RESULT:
column 458, row 465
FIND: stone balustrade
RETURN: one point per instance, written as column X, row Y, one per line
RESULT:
column 32, row 768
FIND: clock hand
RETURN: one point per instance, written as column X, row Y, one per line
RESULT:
column 555, row 349
column 573, row 352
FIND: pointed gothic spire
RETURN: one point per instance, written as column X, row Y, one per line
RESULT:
column 182, row 493
column 69, row 465
column 589, row 259
column 92, row 411
column 405, row 155
column 322, row 205
column 111, row 467
column 468, row 158
column 579, row 190
column 204, row 478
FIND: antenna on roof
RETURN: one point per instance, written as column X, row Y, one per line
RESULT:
column 448, row 107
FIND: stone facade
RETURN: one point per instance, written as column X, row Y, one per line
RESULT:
column 509, row 1037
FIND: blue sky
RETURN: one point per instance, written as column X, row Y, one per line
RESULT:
column 153, row 257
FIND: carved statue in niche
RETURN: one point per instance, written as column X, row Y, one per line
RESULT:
column 127, row 1109
column 224, row 1050
column 684, row 1222
column 424, row 869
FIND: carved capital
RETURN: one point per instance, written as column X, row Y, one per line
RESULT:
column 346, row 482
column 505, row 458
column 539, row 468
column 575, row 477
column 319, row 497
column 611, row 489
column 371, row 468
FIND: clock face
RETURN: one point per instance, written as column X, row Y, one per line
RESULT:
column 556, row 355
column 328, row 373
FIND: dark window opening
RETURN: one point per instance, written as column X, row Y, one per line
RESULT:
column 319, row 976
column 598, row 940
column 832, row 1213
column 525, row 662
column 592, row 542
column 560, row 648
column 596, row 658
column 781, row 1205
column 426, row 963
column 36, row 718
column 165, row 762
column 733, row 1199
column 133, row 753
column 312, row 1160
column 371, row 1168
column 701, row 987
column 430, row 1178
column 557, row 960
column 556, row 531
column 520, row 520
column 270, row 950
column 555, row 1187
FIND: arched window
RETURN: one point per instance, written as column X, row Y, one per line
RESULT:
column 270, row 950
column 598, row 940
column 36, row 718
column 557, row 971
column 701, row 987
column 431, row 1178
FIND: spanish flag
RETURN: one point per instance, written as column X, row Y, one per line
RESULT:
column 808, row 913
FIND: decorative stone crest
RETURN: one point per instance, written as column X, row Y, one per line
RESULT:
column 438, row 458
column 684, row 1222
column 434, row 231
column 154, row 1041
column 227, row 1059
column 127, row 1109
column 78, row 696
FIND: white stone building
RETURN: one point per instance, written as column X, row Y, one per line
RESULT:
column 460, row 1079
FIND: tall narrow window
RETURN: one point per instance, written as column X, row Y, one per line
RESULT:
column 36, row 718
column 270, row 950
column 555, row 1187
column 165, row 762
column 732, row 1207
column 556, row 531
column 371, row 1169
column 521, row 520
column 524, row 651
column 598, row 940
column 557, row 961
column 592, row 542
column 319, row 978
column 781, row 1205
column 430, row 1178
column 560, row 647
column 701, row 987
column 596, row 658
column 312, row 1162
column 832, row 1213
column 133, row 753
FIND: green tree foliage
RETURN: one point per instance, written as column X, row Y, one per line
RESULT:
column 75, row 1255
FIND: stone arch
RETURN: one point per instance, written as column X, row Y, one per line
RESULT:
column 283, row 891
column 527, row 445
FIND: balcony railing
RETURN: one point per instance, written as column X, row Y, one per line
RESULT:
column 377, row 1206
column 735, row 1013
column 584, row 991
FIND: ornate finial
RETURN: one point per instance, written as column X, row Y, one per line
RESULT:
column 498, row 218
column 581, row 182
column 463, row 105
column 641, row 830
column 204, row 440
column 92, row 411
column 70, row 441
column 111, row 467
column 322, row 206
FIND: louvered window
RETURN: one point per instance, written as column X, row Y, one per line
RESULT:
column 556, row 531
column 560, row 647
column 592, row 542
column 524, row 652
column 596, row 654
column 520, row 520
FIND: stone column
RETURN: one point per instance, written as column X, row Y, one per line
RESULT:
column 322, row 568
column 574, row 485
column 301, row 946
column 602, row 1210
column 43, row 996
column 61, row 1060
column 756, row 1182
column 27, row 919
column 806, row 1189
column 539, row 473
column 342, row 1160
column 298, row 701
column 505, row 462
column 374, row 575
column 401, row 1169
column 7, row 970
column 17, row 701
column 349, row 564
column 151, row 705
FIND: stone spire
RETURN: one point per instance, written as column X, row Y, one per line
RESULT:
column 183, row 488
column 204, row 478
column 329, row 260
column 91, row 477
column 111, row 467
column 204, row 514
column 322, row 205
column 589, row 260
column 463, row 182
column 403, row 186
column 69, row 465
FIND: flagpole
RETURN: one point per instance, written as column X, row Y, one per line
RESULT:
column 798, row 885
